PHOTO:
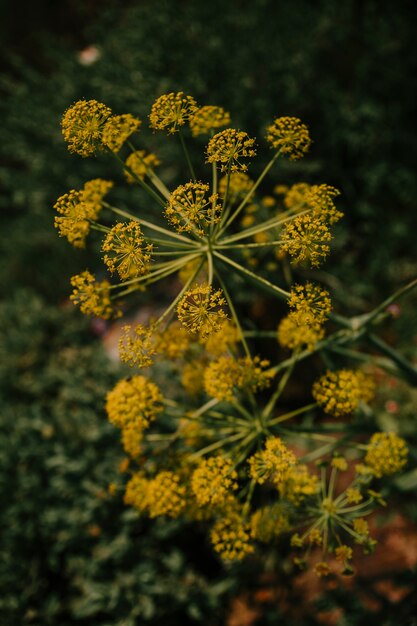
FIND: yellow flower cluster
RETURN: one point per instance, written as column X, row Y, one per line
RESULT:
column 165, row 495
column 293, row 333
column 290, row 136
column 223, row 340
column 296, row 197
column 239, row 185
column 126, row 250
column 298, row 484
column 140, row 163
column 340, row 392
column 135, row 400
column 269, row 522
column 138, row 347
column 82, row 126
column 311, row 304
column 200, row 310
column 117, row 129
column 172, row 342
column 320, row 200
column 386, row 454
column 92, row 297
column 306, row 239
column 271, row 463
column 228, row 147
column 191, row 379
column 172, row 110
column 213, row 481
column 221, row 377
column 78, row 208
column 131, row 439
column 207, row 118
column 190, row 209
column 230, row 537
column 136, row 492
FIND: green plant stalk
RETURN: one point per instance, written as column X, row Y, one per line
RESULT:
column 141, row 182
column 187, row 155
column 234, row 314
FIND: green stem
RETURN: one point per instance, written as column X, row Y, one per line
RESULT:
column 406, row 367
column 280, row 388
column 187, row 156
column 141, row 182
column 155, row 180
column 264, row 226
column 287, row 416
column 234, row 315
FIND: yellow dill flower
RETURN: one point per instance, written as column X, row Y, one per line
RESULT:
column 293, row 333
column 131, row 439
column 200, row 310
column 191, row 209
column 136, row 493
column 127, row 251
column 343, row 553
column 340, row 392
column 223, row 340
column 311, row 303
column 138, row 347
column 239, row 185
column 361, row 526
column 228, row 147
column 117, row 129
column 92, row 297
column 208, row 118
column 322, row 569
column 320, row 199
column 172, row 342
column 290, row 136
column 298, row 484
column 339, row 463
column 230, row 537
column 269, row 522
column 305, row 239
column 272, row 462
column 353, row 495
column 171, row 111
column 166, row 496
column 82, row 126
column 135, row 400
column 253, row 373
column 140, row 163
column 268, row 201
column 191, row 379
column 315, row 537
column 213, row 481
column 221, row 377
column 296, row 196
column 93, row 193
column 386, row 454
column 75, row 221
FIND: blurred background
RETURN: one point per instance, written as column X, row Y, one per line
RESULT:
column 70, row 553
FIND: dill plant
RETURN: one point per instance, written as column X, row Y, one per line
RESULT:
column 222, row 450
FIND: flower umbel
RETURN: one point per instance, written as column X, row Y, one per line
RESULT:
column 140, row 163
column 290, row 136
column 91, row 296
column 208, row 118
column 200, row 310
column 82, row 126
column 190, row 209
column 171, row 111
column 127, row 251
column 228, row 147
column 117, row 129
column 386, row 454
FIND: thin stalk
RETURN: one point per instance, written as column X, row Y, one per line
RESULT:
column 216, row 445
column 234, row 314
column 367, row 319
column 141, row 182
column 280, row 388
column 155, row 180
column 403, row 364
column 287, row 416
column 248, row 245
column 264, row 226
column 261, row 281
column 187, row 156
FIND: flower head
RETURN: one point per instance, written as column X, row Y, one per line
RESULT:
column 135, row 400
column 228, row 147
column 298, row 484
column 117, row 129
column 132, row 436
column 295, row 198
column 140, row 162
column 78, row 208
column 269, row 522
column 137, row 490
column 166, row 496
column 386, row 454
column 91, row 296
column 213, row 481
column 200, row 310
column 272, row 462
column 320, row 199
column 191, row 209
column 127, row 252
column 82, row 126
column 171, row 111
column 208, row 118
column 239, row 185
column 294, row 333
column 223, row 340
column 290, row 136
column 310, row 303
column 230, row 537
column 138, row 347
column 306, row 239
column 340, row 392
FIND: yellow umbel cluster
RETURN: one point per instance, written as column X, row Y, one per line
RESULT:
column 137, row 346
column 191, row 209
column 139, row 164
column 213, row 481
column 225, row 374
column 134, row 400
column 290, row 136
column 126, row 250
column 386, row 454
column 340, row 392
column 118, row 129
column 83, row 125
column 92, row 297
column 207, row 118
column 230, row 537
column 269, row 522
column 228, row 147
column 271, row 463
column 200, row 310
column 171, row 111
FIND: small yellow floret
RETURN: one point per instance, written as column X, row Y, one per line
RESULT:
column 269, row 522
column 213, row 481
column 290, row 136
column 191, row 209
column 228, row 147
column 207, row 118
column 135, row 400
column 310, row 303
column 171, row 111
column 140, row 163
column 200, row 310
column 271, row 463
column 230, row 537
column 82, row 126
column 306, row 239
column 126, row 251
column 386, row 454
column 117, row 129
column 137, row 346
column 166, row 496
column 340, row 392
column 92, row 297
column 294, row 333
